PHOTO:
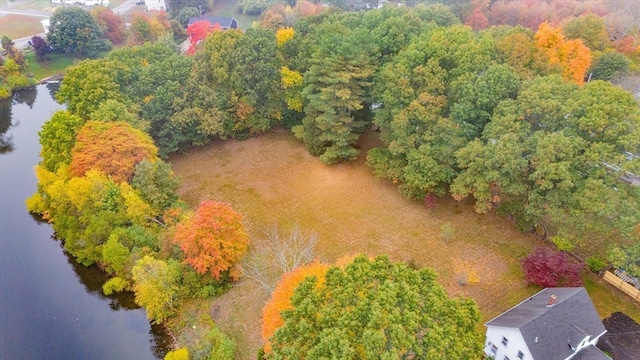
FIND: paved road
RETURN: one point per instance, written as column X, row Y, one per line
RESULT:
column 124, row 7
column 25, row 12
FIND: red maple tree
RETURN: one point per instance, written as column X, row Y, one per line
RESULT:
column 198, row 31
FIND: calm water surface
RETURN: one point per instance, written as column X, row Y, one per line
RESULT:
column 50, row 306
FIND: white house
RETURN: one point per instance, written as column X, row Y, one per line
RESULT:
column 82, row 2
column 554, row 324
column 156, row 5
column 45, row 25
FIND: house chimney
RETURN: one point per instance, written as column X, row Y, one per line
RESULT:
column 552, row 301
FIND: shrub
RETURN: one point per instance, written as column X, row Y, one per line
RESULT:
column 563, row 244
column 40, row 47
column 5, row 92
column 596, row 264
column 446, row 232
column 178, row 354
column 215, row 346
column 550, row 268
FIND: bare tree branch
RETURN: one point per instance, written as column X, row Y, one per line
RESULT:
column 277, row 253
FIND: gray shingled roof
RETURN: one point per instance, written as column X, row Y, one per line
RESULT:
column 622, row 339
column 591, row 353
column 550, row 331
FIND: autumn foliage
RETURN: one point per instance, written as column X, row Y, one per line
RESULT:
column 110, row 24
column 283, row 35
column 198, row 31
column 477, row 20
column 113, row 148
column 213, row 239
column 549, row 268
column 281, row 297
column 573, row 57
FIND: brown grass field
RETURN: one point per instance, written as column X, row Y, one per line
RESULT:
column 19, row 26
column 273, row 180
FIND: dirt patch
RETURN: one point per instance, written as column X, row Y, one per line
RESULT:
column 272, row 179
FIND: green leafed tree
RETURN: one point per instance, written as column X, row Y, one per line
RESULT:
column 156, row 184
column 611, row 65
column 474, row 101
column 57, row 137
column 556, row 152
column 116, row 256
column 590, row 29
column 335, row 89
column 234, row 90
column 421, row 142
column 626, row 258
column 91, row 83
column 376, row 309
column 73, row 30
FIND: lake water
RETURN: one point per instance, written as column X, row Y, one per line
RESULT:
column 50, row 306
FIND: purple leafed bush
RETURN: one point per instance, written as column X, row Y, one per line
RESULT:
column 549, row 268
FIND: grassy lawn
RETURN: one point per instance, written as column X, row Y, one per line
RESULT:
column 19, row 26
column 228, row 8
column 57, row 64
column 607, row 300
column 272, row 180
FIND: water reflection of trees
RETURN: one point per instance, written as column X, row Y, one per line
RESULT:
column 92, row 278
column 27, row 97
column 6, row 142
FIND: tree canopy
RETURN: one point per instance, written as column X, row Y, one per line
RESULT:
column 517, row 117
column 213, row 239
column 115, row 148
column 376, row 309
column 73, row 30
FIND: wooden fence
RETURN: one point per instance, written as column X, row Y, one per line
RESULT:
column 614, row 280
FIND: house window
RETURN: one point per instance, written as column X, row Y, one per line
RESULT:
column 494, row 349
column 520, row 355
column 504, row 341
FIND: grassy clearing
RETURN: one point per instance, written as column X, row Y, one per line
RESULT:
column 19, row 26
column 273, row 180
column 607, row 300
column 228, row 8
column 56, row 65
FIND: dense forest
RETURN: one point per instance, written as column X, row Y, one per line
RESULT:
column 520, row 110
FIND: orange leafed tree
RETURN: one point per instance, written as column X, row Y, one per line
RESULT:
column 281, row 297
column 113, row 148
column 575, row 59
column 571, row 55
column 213, row 239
